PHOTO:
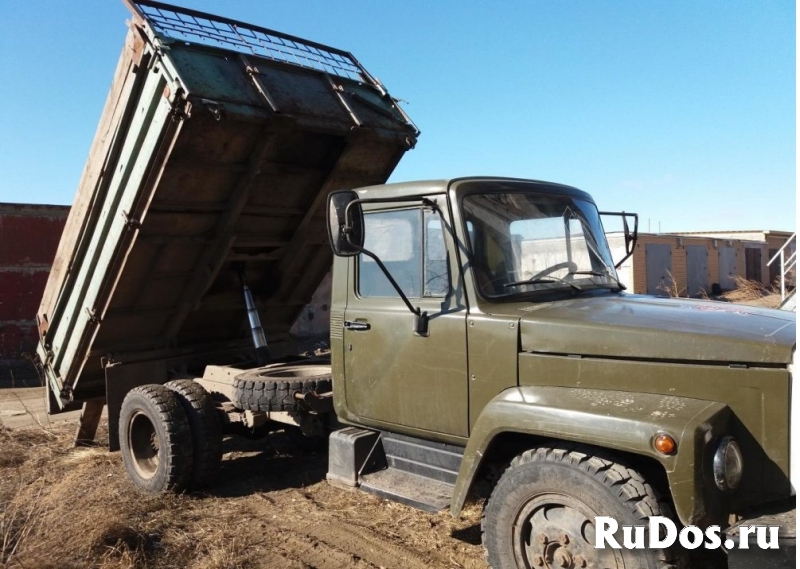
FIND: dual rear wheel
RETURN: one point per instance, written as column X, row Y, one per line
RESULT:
column 170, row 437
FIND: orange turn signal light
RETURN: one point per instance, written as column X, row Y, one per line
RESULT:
column 665, row 444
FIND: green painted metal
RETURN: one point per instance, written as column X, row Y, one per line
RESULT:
column 758, row 398
column 207, row 155
column 616, row 420
column 389, row 372
column 492, row 341
column 146, row 130
column 607, row 369
column 653, row 328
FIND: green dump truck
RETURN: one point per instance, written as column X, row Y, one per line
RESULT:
column 479, row 338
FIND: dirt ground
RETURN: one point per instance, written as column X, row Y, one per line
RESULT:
column 27, row 407
column 62, row 507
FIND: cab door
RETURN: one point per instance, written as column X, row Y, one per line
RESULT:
column 393, row 375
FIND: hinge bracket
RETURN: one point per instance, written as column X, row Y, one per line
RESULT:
column 130, row 221
column 92, row 316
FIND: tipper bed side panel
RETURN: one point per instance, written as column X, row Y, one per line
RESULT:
column 234, row 168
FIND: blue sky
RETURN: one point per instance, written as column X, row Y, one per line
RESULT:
column 683, row 111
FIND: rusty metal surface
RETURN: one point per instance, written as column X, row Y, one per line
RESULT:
column 192, row 171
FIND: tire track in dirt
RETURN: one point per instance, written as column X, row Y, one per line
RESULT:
column 372, row 549
column 310, row 551
column 301, row 530
column 354, row 529
column 351, row 535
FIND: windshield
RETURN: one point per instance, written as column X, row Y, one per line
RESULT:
column 523, row 242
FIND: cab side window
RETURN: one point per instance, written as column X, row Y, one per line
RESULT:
column 411, row 244
column 436, row 278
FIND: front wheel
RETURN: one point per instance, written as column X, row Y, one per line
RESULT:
column 542, row 513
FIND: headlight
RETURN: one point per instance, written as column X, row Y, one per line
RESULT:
column 728, row 464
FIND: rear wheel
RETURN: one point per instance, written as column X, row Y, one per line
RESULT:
column 155, row 439
column 206, row 430
column 542, row 513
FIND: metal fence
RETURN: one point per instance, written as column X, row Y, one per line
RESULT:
column 787, row 256
column 181, row 24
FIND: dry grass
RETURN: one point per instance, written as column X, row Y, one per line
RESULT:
column 39, row 498
column 753, row 293
column 746, row 292
column 73, row 508
column 68, row 508
column 670, row 287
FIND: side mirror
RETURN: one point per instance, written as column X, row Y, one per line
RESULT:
column 345, row 223
column 630, row 236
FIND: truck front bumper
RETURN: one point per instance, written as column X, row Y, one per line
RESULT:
column 754, row 557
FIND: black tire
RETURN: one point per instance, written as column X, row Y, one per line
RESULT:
column 272, row 388
column 206, row 430
column 155, row 439
column 541, row 512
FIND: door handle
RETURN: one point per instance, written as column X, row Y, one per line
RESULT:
column 357, row 326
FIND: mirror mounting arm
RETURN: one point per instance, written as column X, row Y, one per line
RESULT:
column 346, row 235
column 630, row 237
column 420, row 317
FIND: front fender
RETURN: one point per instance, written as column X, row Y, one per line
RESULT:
column 614, row 420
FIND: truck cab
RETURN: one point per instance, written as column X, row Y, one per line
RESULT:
column 478, row 325
column 470, row 256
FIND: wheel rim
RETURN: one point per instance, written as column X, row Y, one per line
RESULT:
column 556, row 531
column 297, row 372
column 143, row 445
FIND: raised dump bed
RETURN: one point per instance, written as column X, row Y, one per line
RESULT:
column 218, row 145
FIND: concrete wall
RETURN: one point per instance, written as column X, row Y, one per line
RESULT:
column 29, row 236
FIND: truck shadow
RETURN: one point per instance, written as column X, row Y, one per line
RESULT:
column 274, row 462
column 470, row 534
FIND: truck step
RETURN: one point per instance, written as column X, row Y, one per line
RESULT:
column 428, row 459
column 410, row 489
column 352, row 451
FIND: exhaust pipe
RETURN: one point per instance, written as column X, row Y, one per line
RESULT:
column 263, row 356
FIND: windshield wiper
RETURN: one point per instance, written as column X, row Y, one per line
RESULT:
column 591, row 244
column 601, row 274
column 545, row 280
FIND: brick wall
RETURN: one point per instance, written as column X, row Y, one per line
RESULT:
column 29, row 236
column 678, row 244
